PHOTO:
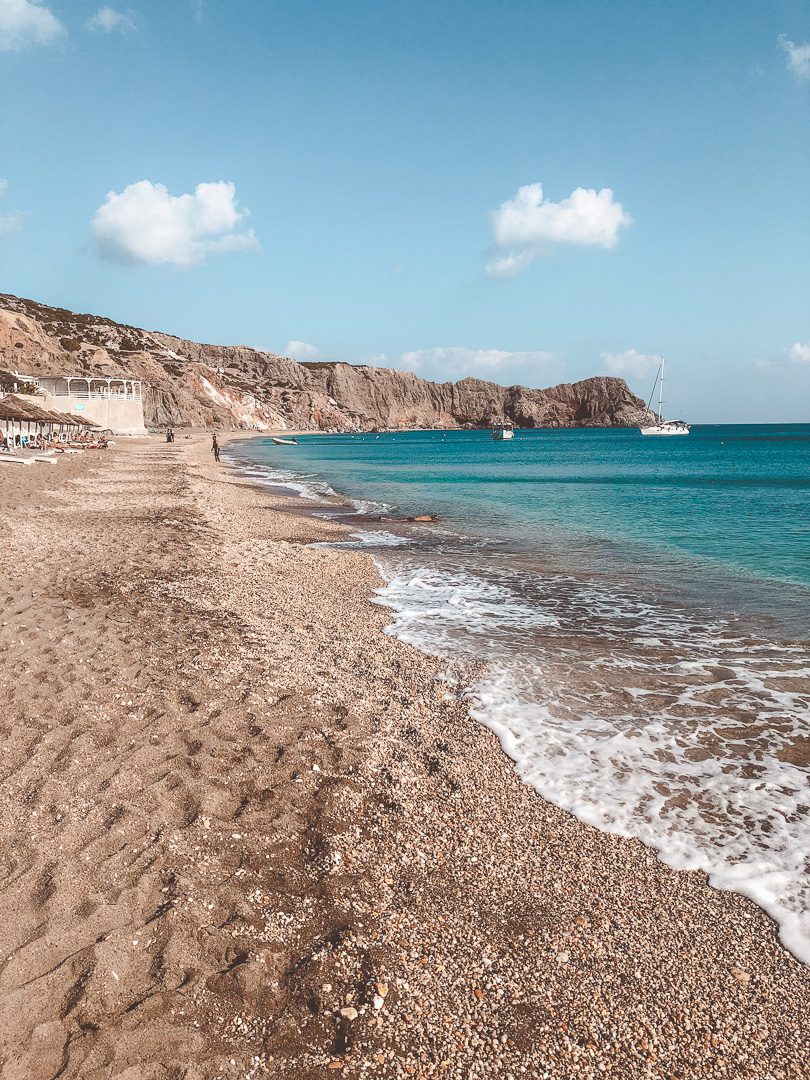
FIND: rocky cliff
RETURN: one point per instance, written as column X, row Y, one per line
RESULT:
column 190, row 384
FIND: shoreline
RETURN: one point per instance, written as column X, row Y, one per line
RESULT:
column 724, row 876
column 704, row 562
column 236, row 811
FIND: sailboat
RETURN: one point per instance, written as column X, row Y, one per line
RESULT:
column 662, row 426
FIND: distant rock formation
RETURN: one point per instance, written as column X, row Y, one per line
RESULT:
column 190, row 384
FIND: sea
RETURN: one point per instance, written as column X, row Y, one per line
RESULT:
column 642, row 606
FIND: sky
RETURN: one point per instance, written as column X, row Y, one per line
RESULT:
column 529, row 192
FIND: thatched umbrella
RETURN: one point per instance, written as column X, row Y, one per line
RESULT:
column 15, row 408
column 16, row 411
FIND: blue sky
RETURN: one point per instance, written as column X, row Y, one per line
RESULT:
column 529, row 192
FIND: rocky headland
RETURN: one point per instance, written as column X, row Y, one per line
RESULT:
column 196, row 385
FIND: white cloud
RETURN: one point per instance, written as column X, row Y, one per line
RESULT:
column 799, row 353
column 631, row 363
column 510, row 265
column 762, row 364
column 457, row 362
column 145, row 224
column 798, row 57
column 107, row 20
column 9, row 223
column 302, row 350
column 27, row 22
column 529, row 225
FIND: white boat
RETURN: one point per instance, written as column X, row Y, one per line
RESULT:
column 284, row 442
column 503, row 431
column 660, row 425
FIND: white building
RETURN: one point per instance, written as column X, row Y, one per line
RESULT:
column 114, row 403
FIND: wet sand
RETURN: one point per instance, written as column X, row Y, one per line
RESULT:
column 244, row 833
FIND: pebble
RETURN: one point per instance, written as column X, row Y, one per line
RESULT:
column 413, row 845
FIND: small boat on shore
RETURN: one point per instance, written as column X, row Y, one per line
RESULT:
column 284, row 442
column 660, row 425
column 503, row 431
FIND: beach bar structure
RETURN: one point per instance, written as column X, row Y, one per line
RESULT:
column 109, row 402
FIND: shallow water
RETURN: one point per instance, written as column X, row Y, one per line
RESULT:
column 644, row 606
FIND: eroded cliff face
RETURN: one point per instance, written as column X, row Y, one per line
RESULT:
column 191, row 384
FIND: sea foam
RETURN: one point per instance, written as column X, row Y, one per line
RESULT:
column 639, row 719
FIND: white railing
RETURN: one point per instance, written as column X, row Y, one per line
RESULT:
column 84, row 395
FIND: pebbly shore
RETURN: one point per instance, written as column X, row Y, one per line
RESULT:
column 246, row 833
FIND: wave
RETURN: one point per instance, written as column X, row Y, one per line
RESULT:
column 359, row 539
column 639, row 719
column 307, row 486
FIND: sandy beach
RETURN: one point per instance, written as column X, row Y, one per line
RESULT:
column 245, row 833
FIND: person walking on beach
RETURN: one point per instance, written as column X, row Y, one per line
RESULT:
column 215, row 448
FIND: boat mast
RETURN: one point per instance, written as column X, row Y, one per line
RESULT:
column 661, row 395
column 658, row 375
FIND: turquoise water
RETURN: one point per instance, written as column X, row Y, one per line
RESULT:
column 642, row 606
column 721, row 504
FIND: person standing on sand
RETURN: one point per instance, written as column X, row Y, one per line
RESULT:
column 215, row 448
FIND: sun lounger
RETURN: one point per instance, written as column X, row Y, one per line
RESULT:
column 17, row 460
